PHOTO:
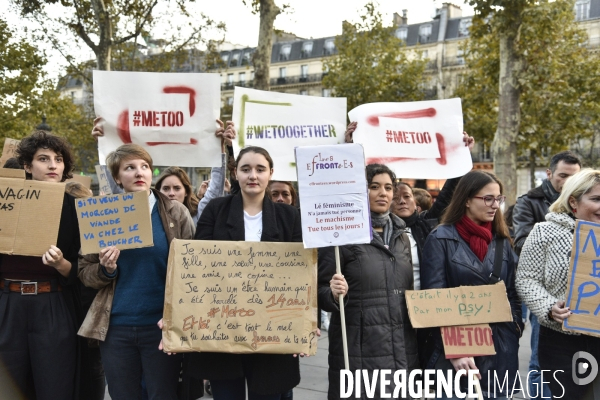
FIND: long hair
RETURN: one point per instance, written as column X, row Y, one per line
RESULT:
column 190, row 200
column 469, row 186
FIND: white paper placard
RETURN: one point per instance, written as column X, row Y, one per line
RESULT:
column 420, row 140
column 334, row 202
column 279, row 122
column 172, row 115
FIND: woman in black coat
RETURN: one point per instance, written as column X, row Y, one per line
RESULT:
column 461, row 252
column 249, row 215
column 375, row 276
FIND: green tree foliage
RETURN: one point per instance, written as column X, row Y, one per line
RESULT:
column 559, row 89
column 372, row 64
column 26, row 96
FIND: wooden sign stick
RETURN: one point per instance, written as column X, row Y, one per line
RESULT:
column 338, row 269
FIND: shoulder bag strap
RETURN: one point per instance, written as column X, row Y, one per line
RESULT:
column 499, row 249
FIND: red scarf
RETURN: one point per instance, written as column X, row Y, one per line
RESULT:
column 478, row 236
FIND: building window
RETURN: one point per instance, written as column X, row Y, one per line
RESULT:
column 225, row 58
column 582, row 10
column 303, row 71
column 284, row 52
column 230, row 101
column 242, row 78
column 246, row 58
column 306, row 49
column 251, row 75
column 460, row 59
column 326, row 93
column 230, row 79
column 424, row 33
column 235, row 58
column 329, row 47
column 402, row 33
column 304, row 92
column 464, row 26
column 282, row 72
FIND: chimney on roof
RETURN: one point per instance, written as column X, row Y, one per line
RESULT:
column 454, row 11
column 401, row 20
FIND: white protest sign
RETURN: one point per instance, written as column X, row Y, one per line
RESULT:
column 333, row 195
column 419, row 140
column 172, row 115
column 279, row 122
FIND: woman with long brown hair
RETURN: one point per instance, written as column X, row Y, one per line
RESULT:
column 461, row 252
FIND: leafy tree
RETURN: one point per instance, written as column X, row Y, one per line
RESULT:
column 372, row 64
column 554, row 77
column 26, row 96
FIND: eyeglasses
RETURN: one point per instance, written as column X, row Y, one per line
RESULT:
column 489, row 200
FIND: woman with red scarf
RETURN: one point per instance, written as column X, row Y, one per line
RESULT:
column 462, row 252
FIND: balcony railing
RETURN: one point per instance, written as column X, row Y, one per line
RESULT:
column 289, row 80
column 452, row 61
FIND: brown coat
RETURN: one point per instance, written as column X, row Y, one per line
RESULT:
column 177, row 223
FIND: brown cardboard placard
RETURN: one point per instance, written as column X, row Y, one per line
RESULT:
column 463, row 305
column 241, row 297
column 583, row 280
column 83, row 179
column 8, row 151
column 121, row 220
column 103, row 180
column 30, row 213
column 468, row 341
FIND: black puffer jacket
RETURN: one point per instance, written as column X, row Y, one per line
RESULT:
column 379, row 331
column 530, row 209
column 449, row 262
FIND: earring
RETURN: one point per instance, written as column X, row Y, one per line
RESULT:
column 574, row 210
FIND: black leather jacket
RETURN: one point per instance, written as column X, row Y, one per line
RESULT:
column 449, row 262
column 530, row 209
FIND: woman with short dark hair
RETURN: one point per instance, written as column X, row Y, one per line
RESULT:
column 38, row 342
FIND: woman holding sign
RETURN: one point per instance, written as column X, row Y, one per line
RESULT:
column 39, row 304
column 249, row 215
column 462, row 252
column 375, row 277
column 131, row 287
column 542, row 284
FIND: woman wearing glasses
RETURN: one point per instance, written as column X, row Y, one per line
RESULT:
column 461, row 252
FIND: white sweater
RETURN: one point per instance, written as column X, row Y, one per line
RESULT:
column 544, row 266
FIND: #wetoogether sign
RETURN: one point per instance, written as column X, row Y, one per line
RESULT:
column 279, row 122
column 420, row 140
column 173, row 116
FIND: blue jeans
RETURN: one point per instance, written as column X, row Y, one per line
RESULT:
column 535, row 377
column 235, row 389
column 129, row 352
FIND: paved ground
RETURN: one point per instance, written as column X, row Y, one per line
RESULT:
column 313, row 370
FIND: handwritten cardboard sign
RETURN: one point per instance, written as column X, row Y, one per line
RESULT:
column 172, row 115
column 420, row 140
column 8, row 151
column 583, row 281
column 121, row 220
column 334, row 201
column 30, row 213
column 241, row 297
column 468, row 341
column 279, row 122
column 463, row 305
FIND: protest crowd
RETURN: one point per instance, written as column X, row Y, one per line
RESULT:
column 74, row 324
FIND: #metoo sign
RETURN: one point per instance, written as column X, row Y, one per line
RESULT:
column 420, row 140
column 173, row 116
column 333, row 202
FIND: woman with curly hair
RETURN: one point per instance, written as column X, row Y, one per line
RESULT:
column 38, row 342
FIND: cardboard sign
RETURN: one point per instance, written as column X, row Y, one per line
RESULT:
column 468, row 341
column 83, row 179
column 583, row 281
column 279, row 122
column 121, row 220
column 30, row 213
column 334, row 201
column 419, row 140
column 240, row 297
column 463, row 305
column 8, row 151
column 172, row 115
column 106, row 182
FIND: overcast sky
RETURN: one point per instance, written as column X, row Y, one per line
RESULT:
column 305, row 18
